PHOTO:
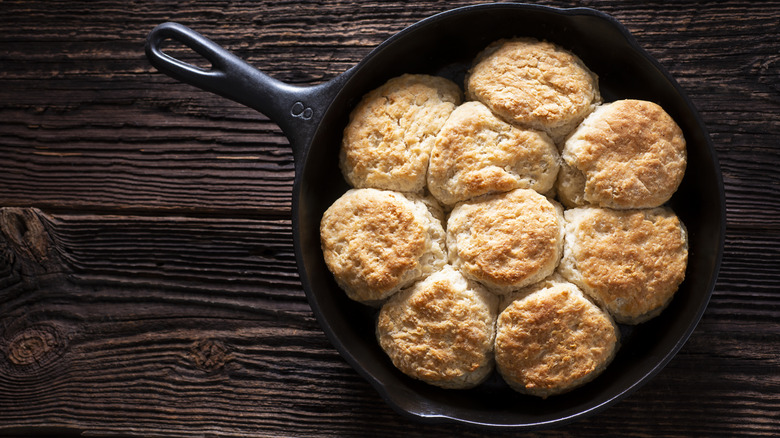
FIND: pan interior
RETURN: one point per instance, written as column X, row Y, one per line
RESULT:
column 445, row 45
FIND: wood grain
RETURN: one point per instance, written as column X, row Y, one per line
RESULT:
column 179, row 324
column 148, row 284
column 139, row 140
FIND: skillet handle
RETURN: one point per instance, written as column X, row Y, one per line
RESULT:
column 296, row 109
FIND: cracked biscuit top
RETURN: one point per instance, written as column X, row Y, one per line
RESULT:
column 506, row 241
column 476, row 153
column 376, row 242
column 626, row 154
column 441, row 330
column 388, row 140
column 551, row 339
column 534, row 84
column 629, row 261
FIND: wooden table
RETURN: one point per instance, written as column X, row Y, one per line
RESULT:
column 148, row 285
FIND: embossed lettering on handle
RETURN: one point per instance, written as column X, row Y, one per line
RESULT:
column 301, row 111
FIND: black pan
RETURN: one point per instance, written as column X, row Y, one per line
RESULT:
column 313, row 118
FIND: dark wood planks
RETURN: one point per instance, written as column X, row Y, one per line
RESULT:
column 147, row 277
column 184, row 314
column 140, row 140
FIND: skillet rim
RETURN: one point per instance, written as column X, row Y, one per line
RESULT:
column 341, row 81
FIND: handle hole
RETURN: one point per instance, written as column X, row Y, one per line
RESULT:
column 180, row 51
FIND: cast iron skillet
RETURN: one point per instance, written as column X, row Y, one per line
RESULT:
column 313, row 118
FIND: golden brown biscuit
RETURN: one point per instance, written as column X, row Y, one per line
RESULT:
column 535, row 84
column 631, row 262
column 477, row 153
column 377, row 241
column 551, row 339
column 506, row 241
column 441, row 330
column 388, row 140
column 626, row 154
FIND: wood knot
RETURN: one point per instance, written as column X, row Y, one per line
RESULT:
column 24, row 230
column 30, row 347
column 210, row 355
column 34, row 348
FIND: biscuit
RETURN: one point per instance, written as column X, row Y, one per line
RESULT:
column 388, row 139
column 631, row 262
column 477, row 153
column 626, row 154
column 551, row 339
column 506, row 241
column 441, row 330
column 376, row 242
column 535, row 84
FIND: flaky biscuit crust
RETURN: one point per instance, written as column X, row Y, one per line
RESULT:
column 534, row 128
column 441, row 330
column 551, row 339
column 628, row 154
column 376, row 241
column 629, row 261
column 506, row 241
column 388, row 139
column 477, row 153
column 535, row 84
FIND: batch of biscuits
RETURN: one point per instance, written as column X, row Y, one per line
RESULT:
column 508, row 226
